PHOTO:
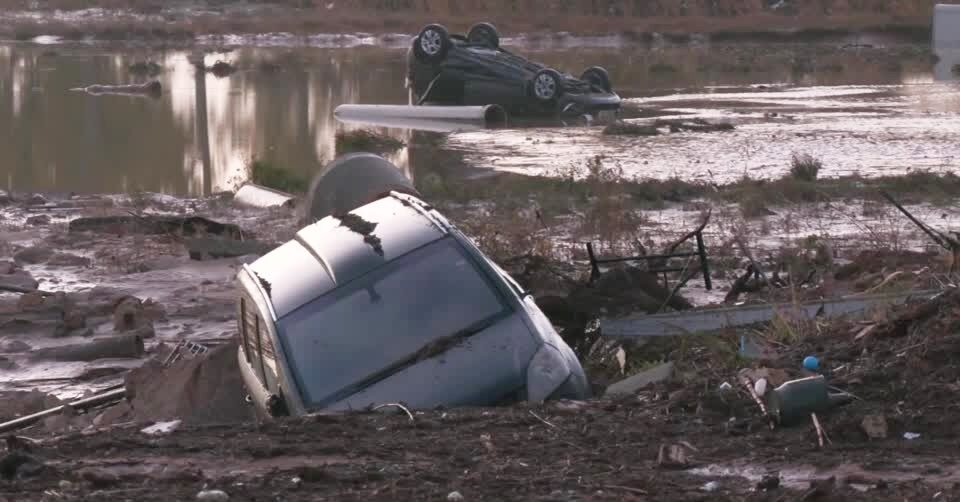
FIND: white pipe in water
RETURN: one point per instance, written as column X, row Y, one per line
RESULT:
column 946, row 26
column 487, row 116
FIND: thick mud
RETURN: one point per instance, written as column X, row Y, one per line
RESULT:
column 721, row 448
column 93, row 271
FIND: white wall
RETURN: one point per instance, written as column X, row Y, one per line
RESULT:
column 946, row 26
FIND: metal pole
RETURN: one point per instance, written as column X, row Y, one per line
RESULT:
column 112, row 394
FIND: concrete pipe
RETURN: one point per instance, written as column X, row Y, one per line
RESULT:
column 351, row 181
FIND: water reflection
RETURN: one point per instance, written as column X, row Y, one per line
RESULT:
column 200, row 135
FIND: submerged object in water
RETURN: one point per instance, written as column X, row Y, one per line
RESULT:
column 152, row 89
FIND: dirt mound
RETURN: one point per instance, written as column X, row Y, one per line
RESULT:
column 199, row 390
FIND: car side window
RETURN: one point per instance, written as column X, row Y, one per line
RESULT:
column 257, row 345
column 268, row 357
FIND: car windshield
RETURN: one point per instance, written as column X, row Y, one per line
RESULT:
column 344, row 337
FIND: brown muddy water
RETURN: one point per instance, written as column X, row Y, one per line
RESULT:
column 862, row 109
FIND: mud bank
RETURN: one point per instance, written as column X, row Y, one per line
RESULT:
column 603, row 449
column 632, row 21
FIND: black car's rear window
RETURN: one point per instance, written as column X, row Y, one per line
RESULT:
column 349, row 334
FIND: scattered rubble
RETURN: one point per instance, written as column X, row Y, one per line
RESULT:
column 640, row 380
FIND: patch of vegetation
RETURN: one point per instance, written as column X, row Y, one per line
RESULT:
column 621, row 128
column 363, row 140
column 956, row 69
column 805, row 167
column 264, row 173
column 753, row 204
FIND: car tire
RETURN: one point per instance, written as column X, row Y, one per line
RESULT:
column 598, row 76
column 432, row 44
column 547, row 85
column 484, row 34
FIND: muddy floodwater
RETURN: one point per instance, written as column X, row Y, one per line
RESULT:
column 862, row 109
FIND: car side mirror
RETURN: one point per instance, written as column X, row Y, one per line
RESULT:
column 277, row 406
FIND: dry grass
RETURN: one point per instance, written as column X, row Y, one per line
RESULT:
column 728, row 20
column 365, row 140
column 805, row 167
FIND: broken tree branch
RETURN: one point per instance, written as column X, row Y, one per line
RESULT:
column 684, row 279
column 689, row 235
column 738, row 239
column 538, row 417
column 395, row 405
column 945, row 241
column 753, row 393
column 821, row 434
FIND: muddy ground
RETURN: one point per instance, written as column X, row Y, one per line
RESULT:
column 598, row 450
column 603, row 449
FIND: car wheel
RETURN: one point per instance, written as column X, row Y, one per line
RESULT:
column 547, row 85
column 597, row 76
column 484, row 34
column 432, row 44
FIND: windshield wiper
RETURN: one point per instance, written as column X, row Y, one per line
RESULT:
column 428, row 350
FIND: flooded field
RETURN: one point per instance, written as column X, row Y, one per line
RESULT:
column 870, row 113
column 862, row 109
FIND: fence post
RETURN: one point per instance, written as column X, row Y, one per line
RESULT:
column 594, row 268
column 704, row 264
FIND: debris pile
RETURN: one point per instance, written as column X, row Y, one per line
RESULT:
column 205, row 389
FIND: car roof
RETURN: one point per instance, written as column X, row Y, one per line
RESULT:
column 334, row 251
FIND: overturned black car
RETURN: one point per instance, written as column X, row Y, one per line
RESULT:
column 474, row 70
